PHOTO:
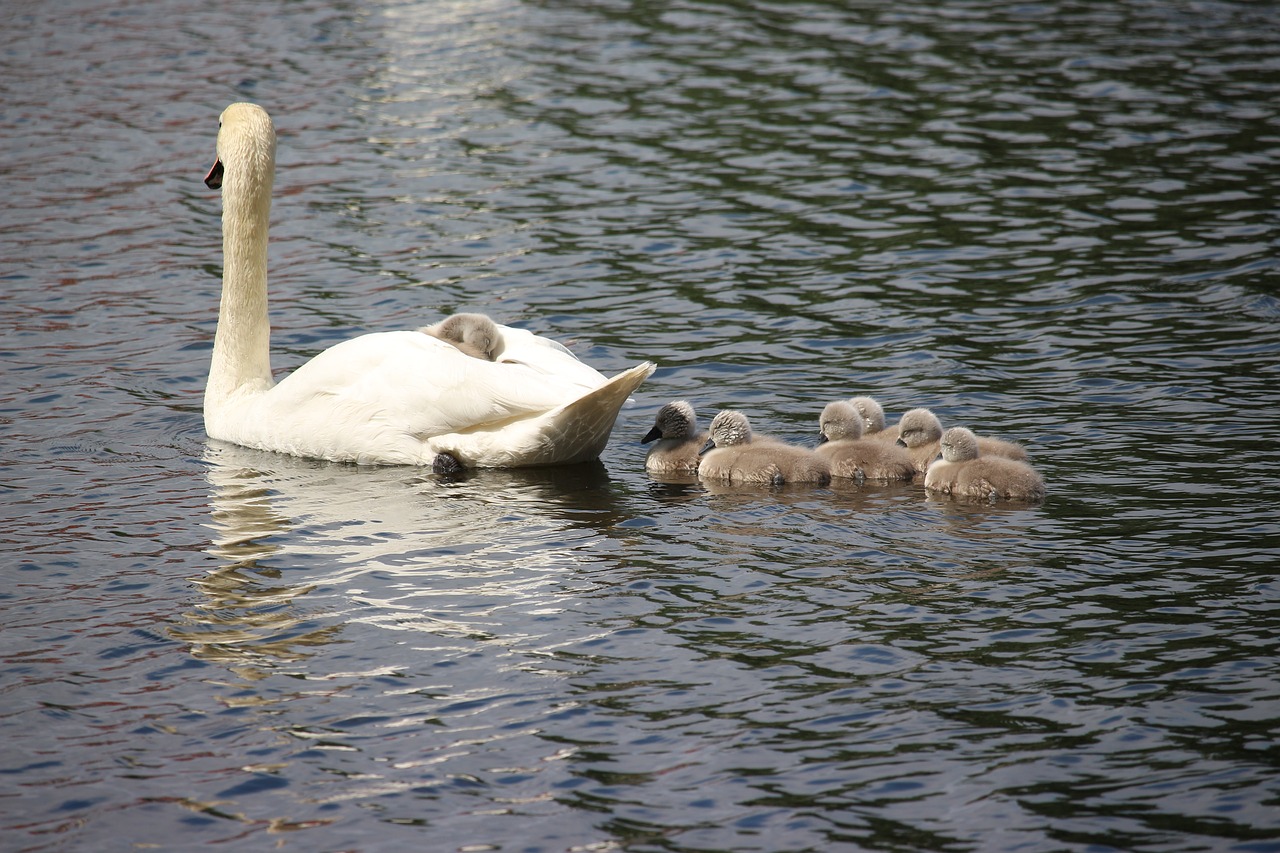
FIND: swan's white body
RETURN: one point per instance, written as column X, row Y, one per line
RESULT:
column 389, row 397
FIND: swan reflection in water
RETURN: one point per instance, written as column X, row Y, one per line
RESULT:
column 305, row 548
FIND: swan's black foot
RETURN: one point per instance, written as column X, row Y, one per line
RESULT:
column 447, row 465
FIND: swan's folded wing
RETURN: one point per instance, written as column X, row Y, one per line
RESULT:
column 574, row 432
column 547, row 356
column 413, row 383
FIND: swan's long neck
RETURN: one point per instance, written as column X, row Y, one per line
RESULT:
column 242, row 345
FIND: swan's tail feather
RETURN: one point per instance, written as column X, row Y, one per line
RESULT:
column 574, row 432
column 578, row 431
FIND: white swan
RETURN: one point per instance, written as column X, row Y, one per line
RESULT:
column 389, row 397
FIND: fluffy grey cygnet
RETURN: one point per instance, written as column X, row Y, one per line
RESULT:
column 734, row 454
column 850, row 455
column 964, row 471
column 677, row 440
column 474, row 334
column 989, row 446
column 920, row 432
column 873, row 426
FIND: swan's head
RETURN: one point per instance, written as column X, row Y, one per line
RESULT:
column 918, row 427
column 246, row 151
column 728, row 428
column 674, row 420
column 871, row 412
column 959, row 445
column 839, row 420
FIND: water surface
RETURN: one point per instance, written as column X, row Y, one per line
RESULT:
column 1055, row 222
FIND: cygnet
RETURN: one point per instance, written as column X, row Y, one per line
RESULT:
column 989, row 446
column 852, row 456
column 873, row 426
column 964, row 471
column 920, row 432
column 733, row 454
column 677, row 440
column 474, row 334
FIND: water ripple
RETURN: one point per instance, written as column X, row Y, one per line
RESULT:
column 1050, row 222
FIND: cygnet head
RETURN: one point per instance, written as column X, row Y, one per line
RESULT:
column 871, row 412
column 246, row 150
column 919, row 427
column 959, row 445
column 728, row 427
column 676, row 419
column 474, row 334
column 839, row 420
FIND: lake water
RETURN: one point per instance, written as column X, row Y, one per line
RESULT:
column 1054, row 222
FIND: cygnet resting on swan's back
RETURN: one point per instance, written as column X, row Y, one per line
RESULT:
column 474, row 334
column 387, row 397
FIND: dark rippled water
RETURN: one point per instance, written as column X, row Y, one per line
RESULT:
column 1056, row 222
